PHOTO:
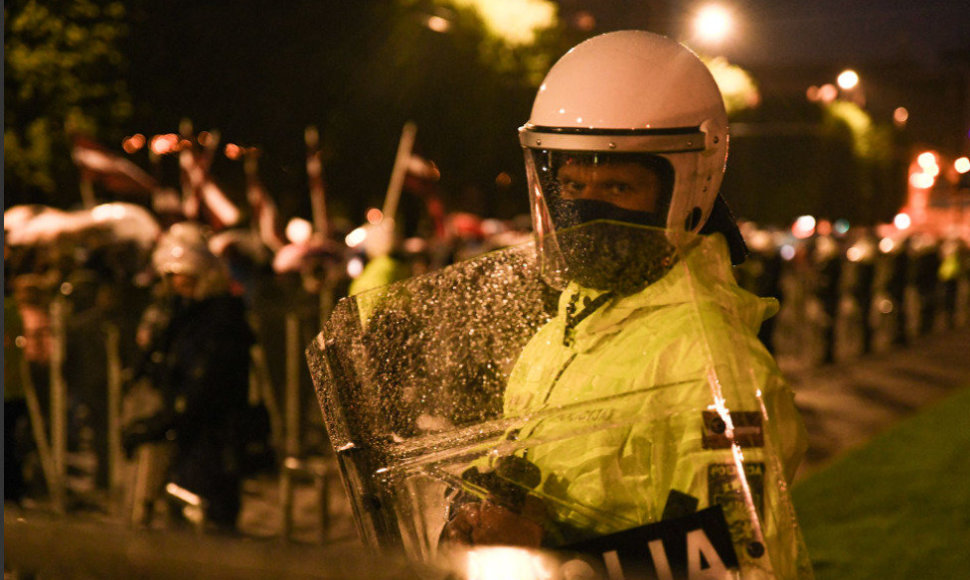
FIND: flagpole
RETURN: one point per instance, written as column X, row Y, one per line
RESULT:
column 87, row 190
column 188, row 189
column 400, row 168
column 251, row 171
column 210, row 146
column 314, row 170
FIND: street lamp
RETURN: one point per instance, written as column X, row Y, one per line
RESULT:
column 712, row 24
column 848, row 79
column 962, row 165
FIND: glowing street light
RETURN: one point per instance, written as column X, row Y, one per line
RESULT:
column 438, row 24
column 133, row 143
column 902, row 221
column 962, row 165
column 804, row 227
column 848, row 79
column 927, row 161
column 900, row 116
column 713, row 23
column 299, row 230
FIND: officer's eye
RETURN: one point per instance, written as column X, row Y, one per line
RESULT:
column 617, row 188
column 568, row 187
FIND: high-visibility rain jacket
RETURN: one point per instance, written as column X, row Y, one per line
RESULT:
column 379, row 271
column 666, row 389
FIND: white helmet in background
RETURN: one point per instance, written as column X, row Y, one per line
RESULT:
column 184, row 249
column 631, row 93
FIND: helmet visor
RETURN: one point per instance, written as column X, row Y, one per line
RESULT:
column 600, row 217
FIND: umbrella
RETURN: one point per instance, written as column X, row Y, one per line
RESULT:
column 126, row 221
column 44, row 226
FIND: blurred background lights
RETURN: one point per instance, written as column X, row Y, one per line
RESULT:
column 356, row 237
column 902, row 221
column 921, row 180
column 299, row 230
column 713, row 23
column 787, row 252
column 374, row 215
column 924, row 176
column 962, row 165
column 926, row 159
column 233, row 151
column 507, row 563
column 438, row 24
column 164, row 144
column 848, row 79
column 841, row 226
column 827, row 93
column 355, row 266
column 516, row 22
column 803, row 227
column 900, row 116
column 584, row 21
column 133, row 143
column 886, row 245
column 206, row 139
column 823, row 227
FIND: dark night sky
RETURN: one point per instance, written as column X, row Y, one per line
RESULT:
column 770, row 32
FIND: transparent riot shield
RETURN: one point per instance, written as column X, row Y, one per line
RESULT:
column 614, row 411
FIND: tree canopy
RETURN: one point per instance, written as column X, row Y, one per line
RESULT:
column 64, row 72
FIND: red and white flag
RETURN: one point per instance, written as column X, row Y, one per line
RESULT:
column 206, row 202
column 314, row 171
column 421, row 179
column 112, row 171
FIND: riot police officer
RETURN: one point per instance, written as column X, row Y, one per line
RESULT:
column 625, row 151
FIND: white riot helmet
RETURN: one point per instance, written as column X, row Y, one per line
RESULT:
column 183, row 249
column 631, row 93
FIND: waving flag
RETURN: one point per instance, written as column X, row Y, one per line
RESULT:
column 421, row 179
column 206, row 200
column 112, row 171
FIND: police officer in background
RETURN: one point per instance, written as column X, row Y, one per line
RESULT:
column 625, row 151
column 862, row 254
column 197, row 356
column 826, row 257
column 926, row 265
column 896, row 254
column 761, row 274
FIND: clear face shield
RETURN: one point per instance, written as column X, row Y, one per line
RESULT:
column 600, row 217
column 464, row 416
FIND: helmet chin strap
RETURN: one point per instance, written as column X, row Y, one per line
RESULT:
column 724, row 222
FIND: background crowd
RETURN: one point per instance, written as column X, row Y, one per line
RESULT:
column 114, row 397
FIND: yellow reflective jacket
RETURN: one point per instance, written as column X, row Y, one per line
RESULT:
column 379, row 271
column 666, row 389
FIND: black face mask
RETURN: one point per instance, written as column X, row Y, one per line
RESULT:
column 606, row 253
column 567, row 213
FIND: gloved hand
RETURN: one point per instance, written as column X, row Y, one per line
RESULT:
column 510, row 515
column 486, row 522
